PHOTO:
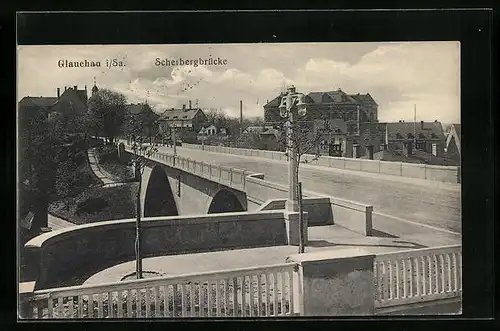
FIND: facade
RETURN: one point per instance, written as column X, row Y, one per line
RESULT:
column 427, row 137
column 71, row 100
column 187, row 122
column 141, row 118
column 212, row 134
column 453, row 143
column 351, row 108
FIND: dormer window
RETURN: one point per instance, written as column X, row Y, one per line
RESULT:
column 410, row 135
column 421, row 136
column 185, row 116
column 399, row 136
column 433, row 135
column 176, row 117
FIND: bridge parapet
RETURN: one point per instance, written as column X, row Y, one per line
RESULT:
column 448, row 174
column 229, row 176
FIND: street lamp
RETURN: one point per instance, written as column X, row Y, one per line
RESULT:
column 290, row 103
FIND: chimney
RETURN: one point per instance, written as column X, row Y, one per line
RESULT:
column 399, row 121
column 421, row 125
column 65, row 88
column 184, row 107
column 85, row 87
column 75, row 87
column 58, row 92
column 190, row 104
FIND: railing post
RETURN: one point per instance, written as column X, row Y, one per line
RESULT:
column 26, row 291
column 337, row 283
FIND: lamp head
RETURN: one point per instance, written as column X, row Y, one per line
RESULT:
column 301, row 105
column 282, row 107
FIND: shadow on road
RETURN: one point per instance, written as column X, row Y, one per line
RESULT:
column 382, row 234
column 397, row 244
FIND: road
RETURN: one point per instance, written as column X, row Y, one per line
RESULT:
column 433, row 204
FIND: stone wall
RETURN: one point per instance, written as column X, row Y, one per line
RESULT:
column 60, row 257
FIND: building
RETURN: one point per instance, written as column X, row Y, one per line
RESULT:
column 351, row 108
column 427, row 137
column 453, row 143
column 141, row 119
column 257, row 129
column 212, row 134
column 186, row 121
column 71, row 100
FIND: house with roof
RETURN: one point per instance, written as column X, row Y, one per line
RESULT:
column 351, row 108
column 453, row 142
column 212, row 134
column 141, row 119
column 186, row 121
column 71, row 100
column 427, row 137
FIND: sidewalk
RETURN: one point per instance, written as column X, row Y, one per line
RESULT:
column 105, row 177
column 321, row 238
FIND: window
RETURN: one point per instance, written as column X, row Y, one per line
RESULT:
column 168, row 117
column 176, row 116
column 185, row 116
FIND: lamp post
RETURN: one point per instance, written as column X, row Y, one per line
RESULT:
column 290, row 103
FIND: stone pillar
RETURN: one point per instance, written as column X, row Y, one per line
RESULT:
column 121, row 151
column 369, row 151
column 355, row 151
column 292, row 228
column 336, row 282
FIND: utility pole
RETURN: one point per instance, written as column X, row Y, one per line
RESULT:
column 241, row 117
column 415, row 126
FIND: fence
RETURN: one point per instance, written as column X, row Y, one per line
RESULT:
column 233, row 177
column 258, row 291
column 407, row 277
column 449, row 174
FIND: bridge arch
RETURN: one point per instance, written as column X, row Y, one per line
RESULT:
column 158, row 199
column 225, row 201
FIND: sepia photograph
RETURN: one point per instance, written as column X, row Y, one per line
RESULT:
column 249, row 180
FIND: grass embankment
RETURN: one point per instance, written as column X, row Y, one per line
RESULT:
column 107, row 156
column 98, row 204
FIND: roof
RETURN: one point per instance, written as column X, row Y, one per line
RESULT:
column 337, row 96
column 257, row 128
column 458, row 129
column 187, row 114
column 37, row 101
column 430, row 130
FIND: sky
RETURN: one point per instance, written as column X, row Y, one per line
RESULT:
column 399, row 76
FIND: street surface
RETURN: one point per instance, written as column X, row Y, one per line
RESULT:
column 436, row 205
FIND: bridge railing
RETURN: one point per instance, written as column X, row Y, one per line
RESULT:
column 416, row 276
column 233, row 177
column 257, row 291
column 449, row 174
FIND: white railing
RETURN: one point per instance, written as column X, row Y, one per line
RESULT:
column 421, row 275
column 258, row 291
column 233, row 177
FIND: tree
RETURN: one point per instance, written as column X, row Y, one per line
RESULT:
column 143, row 123
column 39, row 146
column 142, row 153
column 301, row 138
column 106, row 113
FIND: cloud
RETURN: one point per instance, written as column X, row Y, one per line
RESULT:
column 397, row 75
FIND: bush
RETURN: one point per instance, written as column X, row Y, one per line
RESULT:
column 91, row 206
